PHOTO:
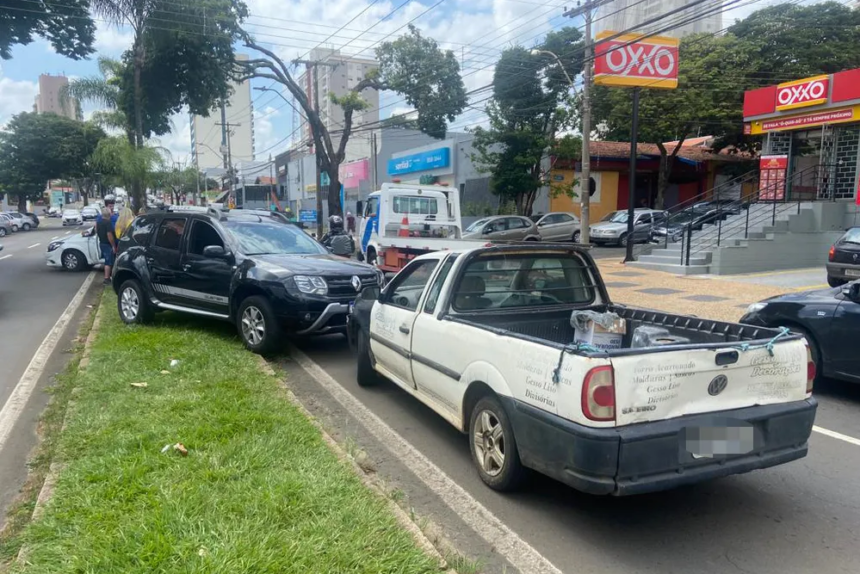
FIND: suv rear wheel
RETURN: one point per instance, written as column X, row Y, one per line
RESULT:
column 132, row 304
column 258, row 327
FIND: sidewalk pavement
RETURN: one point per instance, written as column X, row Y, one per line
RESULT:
column 687, row 295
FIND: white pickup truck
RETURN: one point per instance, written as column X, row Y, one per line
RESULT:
column 484, row 337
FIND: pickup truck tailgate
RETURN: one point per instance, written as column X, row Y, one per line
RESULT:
column 666, row 384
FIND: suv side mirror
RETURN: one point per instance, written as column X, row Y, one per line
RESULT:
column 370, row 293
column 852, row 291
column 215, row 252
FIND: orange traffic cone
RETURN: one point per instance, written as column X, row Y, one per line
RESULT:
column 404, row 227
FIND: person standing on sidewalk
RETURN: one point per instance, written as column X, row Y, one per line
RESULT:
column 107, row 241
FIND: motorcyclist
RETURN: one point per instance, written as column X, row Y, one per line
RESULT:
column 337, row 240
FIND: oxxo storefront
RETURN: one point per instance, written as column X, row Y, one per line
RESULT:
column 811, row 129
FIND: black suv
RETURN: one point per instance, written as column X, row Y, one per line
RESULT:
column 251, row 268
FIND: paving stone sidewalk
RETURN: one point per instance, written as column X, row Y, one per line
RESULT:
column 687, row 295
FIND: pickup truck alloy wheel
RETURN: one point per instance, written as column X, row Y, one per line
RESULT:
column 132, row 304
column 129, row 304
column 257, row 324
column 494, row 447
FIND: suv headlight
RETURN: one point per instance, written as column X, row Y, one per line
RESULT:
column 755, row 308
column 311, row 285
column 54, row 245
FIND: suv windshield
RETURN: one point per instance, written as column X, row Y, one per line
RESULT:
column 524, row 280
column 256, row 238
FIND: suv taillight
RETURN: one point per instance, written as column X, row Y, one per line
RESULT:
column 832, row 254
column 598, row 394
column 810, row 369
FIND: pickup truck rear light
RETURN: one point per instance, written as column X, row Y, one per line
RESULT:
column 810, row 370
column 598, row 394
column 832, row 254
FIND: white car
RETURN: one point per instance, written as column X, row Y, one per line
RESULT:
column 77, row 252
column 72, row 217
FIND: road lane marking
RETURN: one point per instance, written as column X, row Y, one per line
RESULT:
column 2, row 257
column 505, row 541
column 67, row 232
column 27, row 383
column 55, row 237
column 34, row 245
column 837, row 435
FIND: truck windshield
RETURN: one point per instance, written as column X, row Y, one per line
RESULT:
column 524, row 280
column 272, row 239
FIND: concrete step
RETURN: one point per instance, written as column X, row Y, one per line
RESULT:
column 695, row 258
column 671, row 268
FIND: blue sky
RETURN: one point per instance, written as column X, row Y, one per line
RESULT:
column 476, row 31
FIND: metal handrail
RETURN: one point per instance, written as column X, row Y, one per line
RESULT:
column 707, row 241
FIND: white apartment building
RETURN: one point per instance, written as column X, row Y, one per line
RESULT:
column 624, row 15
column 207, row 135
column 337, row 74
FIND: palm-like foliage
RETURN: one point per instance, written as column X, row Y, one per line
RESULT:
column 129, row 165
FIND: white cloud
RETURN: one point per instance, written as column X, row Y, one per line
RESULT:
column 265, row 134
column 16, row 96
column 178, row 141
column 112, row 39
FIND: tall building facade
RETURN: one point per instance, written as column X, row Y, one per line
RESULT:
column 208, row 135
column 338, row 74
column 49, row 100
column 624, row 15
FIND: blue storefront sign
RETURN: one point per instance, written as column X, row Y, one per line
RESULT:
column 426, row 160
column 308, row 215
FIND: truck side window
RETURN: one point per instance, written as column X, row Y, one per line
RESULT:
column 202, row 235
column 436, row 288
column 169, row 235
column 372, row 207
column 410, row 284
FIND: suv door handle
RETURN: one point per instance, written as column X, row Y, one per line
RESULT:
column 404, row 329
column 186, row 267
column 150, row 260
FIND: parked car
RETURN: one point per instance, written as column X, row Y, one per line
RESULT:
column 77, row 252
column 484, row 337
column 503, row 228
column 72, row 217
column 35, row 219
column 89, row 213
column 843, row 261
column 5, row 225
column 677, row 224
column 559, row 226
column 20, row 221
column 265, row 276
column 612, row 229
column 828, row 318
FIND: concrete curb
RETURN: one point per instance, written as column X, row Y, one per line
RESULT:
column 47, row 490
column 370, row 481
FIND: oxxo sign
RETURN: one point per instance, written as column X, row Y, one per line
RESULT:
column 627, row 60
column 802, row 93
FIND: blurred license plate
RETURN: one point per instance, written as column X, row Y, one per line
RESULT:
column 708, row 442
column 351, row 307
column 852, row 272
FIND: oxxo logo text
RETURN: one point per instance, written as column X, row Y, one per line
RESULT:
column 642, row 60
column 799, row 94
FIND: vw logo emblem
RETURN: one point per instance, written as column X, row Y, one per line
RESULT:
column 718, row 385
column 356, row 283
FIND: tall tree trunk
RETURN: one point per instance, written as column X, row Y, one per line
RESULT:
column 22, row 203
column 137, row 188
column 334, row 206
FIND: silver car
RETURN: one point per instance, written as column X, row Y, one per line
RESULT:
column 612, row 229
column 559, row 226
column 20, row 221
column 72, row 217
column 5, row 225
column 501, row 228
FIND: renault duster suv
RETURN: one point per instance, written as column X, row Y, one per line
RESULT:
column 251, row 268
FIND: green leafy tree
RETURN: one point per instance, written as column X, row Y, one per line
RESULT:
column 124, row 164
column 411, row 65
column 713, row 73
column 529, row 106
column 177, row 182
column 181, row 55
column 36, row 148
column 66, row 25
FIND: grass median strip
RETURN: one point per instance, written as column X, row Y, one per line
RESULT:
column 258, row 491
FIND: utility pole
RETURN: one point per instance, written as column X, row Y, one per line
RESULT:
column 587, row 11
column 223, row 125
column 373, row 161
column 228, row 159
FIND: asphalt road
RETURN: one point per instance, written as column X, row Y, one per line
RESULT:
column 797, row 518
column 32, row 298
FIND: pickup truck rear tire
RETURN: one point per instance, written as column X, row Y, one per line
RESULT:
column 258, row 327
column 494, row 447
column 133, row 305
column 366, row 376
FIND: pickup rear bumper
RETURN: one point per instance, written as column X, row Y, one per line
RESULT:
column 652, row 456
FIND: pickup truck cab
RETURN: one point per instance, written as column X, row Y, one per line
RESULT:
column 484, row 337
